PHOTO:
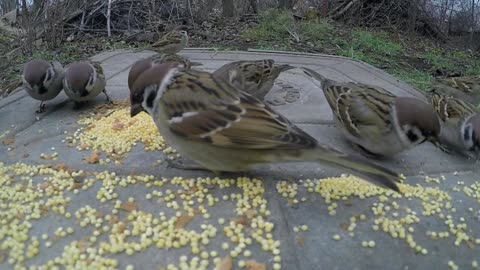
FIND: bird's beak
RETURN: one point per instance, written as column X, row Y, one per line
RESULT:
column 135, row 109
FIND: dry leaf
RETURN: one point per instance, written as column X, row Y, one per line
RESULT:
column 225, row 264
column 3, row 255
column 61, row 167
column 93, row 158
column 250, row 213
column 121, row 227
column 118, row 126
column 344, row 226
column 82, row 245
column 129, row 206
column 253, row 265
column 113, row 220
column 44, row 185
column 301, row 241
column 77, row 185
column 90, row 127
column 242, row 220
column 182, row 221
column 348, row 203
column 8, row 141
column 83, row 146
column 131, row 122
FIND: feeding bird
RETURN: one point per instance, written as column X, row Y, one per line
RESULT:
column 223, row 128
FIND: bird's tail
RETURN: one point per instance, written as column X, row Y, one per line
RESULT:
column 196, row 64
column 285, row 67
column 317, row 77
column 370, row 171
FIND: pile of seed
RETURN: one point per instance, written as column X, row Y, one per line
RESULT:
column 391, row 214
column 93, row 237
column 115, row 133
column 121, row 223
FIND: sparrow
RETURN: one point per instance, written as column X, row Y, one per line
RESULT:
column 144, row 64
column 253, row 77
column 43, row 80
column 224, row 129
column 466, row 88
column 172, row 42
column 460, row 122
column 377, row 122
column 84, row 81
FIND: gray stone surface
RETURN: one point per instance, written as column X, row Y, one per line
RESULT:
column 298, row 99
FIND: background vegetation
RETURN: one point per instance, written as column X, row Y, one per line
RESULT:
column 416, row 40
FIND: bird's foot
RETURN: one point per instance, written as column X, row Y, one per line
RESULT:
column 78, row 105
column 109, row 100
column 185, row 164
column 365, row 152
column 41, row 109
column 442, row 147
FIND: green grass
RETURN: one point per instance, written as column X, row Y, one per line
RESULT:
column 277, row 27
column 438, row 59
column 419, row 79
column 372, row 48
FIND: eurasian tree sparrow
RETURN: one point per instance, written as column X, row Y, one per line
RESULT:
column 376, row 121
column 144, row 64
column 84, row 81
column 460, row 125
column 172, row 42
column 253, row 77
column 43, row 80
column 224, row 129
column 466, row 88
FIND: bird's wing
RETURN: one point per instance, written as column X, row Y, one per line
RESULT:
column 451, row 108
column 202, row 107
column 360, row 108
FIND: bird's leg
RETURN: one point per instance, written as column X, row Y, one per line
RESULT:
column 185, row 164
column 440, row 146
column 78, row 105
column 364, row 151
column 109, row 100
column 41, row 109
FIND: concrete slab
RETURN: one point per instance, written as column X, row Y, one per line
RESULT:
column 24, row 136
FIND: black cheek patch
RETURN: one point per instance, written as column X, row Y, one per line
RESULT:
column 42, row 79
column 466, row 133
column 412, row 136
column 83, row 92
column 42, row 90
column 150, row 99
